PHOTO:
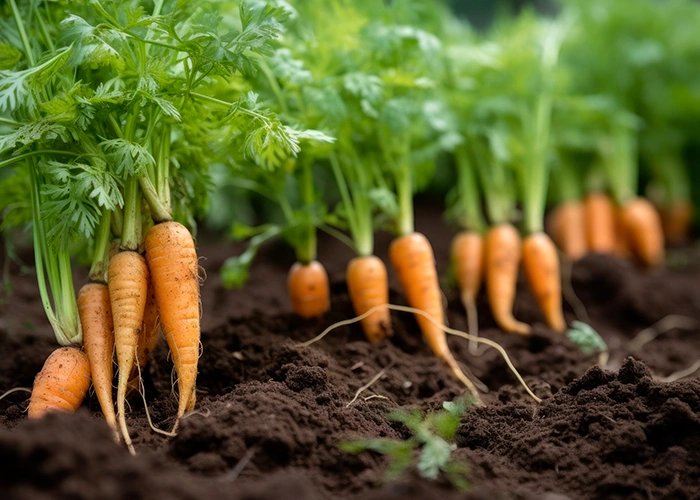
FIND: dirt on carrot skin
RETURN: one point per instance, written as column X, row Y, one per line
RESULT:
column 271, row 413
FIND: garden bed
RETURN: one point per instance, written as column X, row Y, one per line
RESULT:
column 271, row 413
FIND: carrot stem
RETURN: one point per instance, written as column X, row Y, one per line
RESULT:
column 100, row 259
column 471, row 217
column 306, row 251
column 132, row 208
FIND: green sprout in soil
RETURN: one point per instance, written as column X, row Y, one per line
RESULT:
column 428, row 450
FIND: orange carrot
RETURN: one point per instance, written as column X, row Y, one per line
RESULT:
column 541, row 265
column 641, row 224
column 308, row 288
column 468, row 261
column 172, row 259
column 568, row 229
column 600, row 223
column 127, row 282
column 148, row 337
column 622, row 248
column 62, row 383
column 502, row 260
column 677, row 218
column 413, row 261
column 368, row 287
column 96, row 320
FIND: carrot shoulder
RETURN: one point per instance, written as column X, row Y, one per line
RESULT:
column 368, row 287
column 502, row 257
column 173, row 263
column 308, row 288
column 600, row 223
column 541, row 265
column 677, row 218
column 98, row 339
column 468, row 260
column 568, row 229
column 62, row 383
column 643, row 232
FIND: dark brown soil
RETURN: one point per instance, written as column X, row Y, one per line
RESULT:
column 271, row 413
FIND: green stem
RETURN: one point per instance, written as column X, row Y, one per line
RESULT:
column 67, row 305
column 117, row 223
column 132, row 209
column 13, row 123
column 163, row 168
column 24, row 156
column 274, row 85
column 22, row 33
column 534, row 176
column 350, row 213
column 307, row 248
column 469, row 201
column 159, row 212
column 404, row 192
column 100, row 258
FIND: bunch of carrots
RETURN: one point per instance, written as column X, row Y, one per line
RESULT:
column 102, row 129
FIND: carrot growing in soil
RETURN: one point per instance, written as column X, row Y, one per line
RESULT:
column 468, row 245
column 567, row 221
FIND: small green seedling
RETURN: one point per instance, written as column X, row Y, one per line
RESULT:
column 430, row 444
column 586, row 337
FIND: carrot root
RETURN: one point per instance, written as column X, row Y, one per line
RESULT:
column 308, row 288
column 568, row 229
column 600, row 223
column 541, row 265
column 468, row 261
column 368, row 286
column 502, row 254
column 643, row 232
column 62, row 383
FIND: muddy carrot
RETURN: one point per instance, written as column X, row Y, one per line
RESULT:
column 468, row 261
column 128, row 283
column 600, row 223
column 368, row 287
column 308, row 288
column 642, row 226
column 541, row 266
column 62, row 383
column 677, row 218
column 96, row 319
column 172, row 260
column 568, row 229
column 502, row 259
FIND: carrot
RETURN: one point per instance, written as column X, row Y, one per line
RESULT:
column 98, row 339
column 148, row 337
column 368, row 286
column 172, row 259
column 622, row 248
column 62, row 383
column 600, row 223
column 676, row 219
column 641, row 224
column 568, row 229
column 308, row 288
column 468, row 261
column 413, row 261
column 127, row 282
column 502, row 259
column 541, row 265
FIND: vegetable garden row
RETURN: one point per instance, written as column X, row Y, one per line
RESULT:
column 125, row 124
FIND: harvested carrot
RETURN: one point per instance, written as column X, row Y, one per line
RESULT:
column 308, row 288
column 413, row 261
column 541, row 265
column 568, row 229
column 96, row 319
column 62, row 383
column 148, row 337
column 368, row 286
column 641, row 224
column 468, row 261
column 600, row 223
column 502, row 260
column 676, row 219
column 172, row 259
column 127, row 282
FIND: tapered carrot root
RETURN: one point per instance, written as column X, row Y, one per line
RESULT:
column 568, row 229
column 96, row 319
column 502, row 263
column 541, row 265
column 413, row 261
column 600, row 223
column 677, row 218
column 128, row 283
column 172, row 259
column 368, row 286
column 148, row 337
column 641, row 224
column 308, row 288
column 62, row 383
column 468, row 261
